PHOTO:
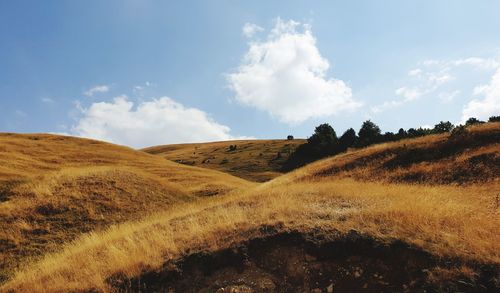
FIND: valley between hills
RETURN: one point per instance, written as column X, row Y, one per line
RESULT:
column 414, row 215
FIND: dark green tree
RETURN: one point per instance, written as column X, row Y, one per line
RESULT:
column 347, row 140
column 369, row 133
column 494, row 119
column 443, row 127
column 401, row 134
column 389, row 136
column 323, row 134
column 472, row 121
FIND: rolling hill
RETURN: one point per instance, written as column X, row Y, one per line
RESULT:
column 255, row 160
column 54, row 188
column 415, row 215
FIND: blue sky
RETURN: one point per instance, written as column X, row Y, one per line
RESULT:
column 150, row 72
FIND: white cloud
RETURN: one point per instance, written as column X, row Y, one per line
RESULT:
column 47, row 100
column 476, row 62
column 97, row 89
column 409, row 94
column 447, row 97
column 250, row 29
column 436, row 77
column 285, row 75
column 141, row 87
column 415, row 72
column 154, row 122
column 489, row 105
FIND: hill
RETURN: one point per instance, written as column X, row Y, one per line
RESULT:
column 342, row 224
column 470, row 156
column 255, row 160
column 54, row 188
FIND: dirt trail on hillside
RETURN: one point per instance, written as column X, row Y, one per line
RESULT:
column 294, row 262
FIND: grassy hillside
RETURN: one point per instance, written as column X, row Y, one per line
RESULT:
column 445, row 237
column 54, row 188
column 469, row 157
column 255, row 160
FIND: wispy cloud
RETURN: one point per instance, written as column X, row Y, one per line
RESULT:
column 434, row 77
column 250, row 29
column 96, row 89
column 47, row 100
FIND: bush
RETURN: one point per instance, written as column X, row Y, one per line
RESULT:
column 290, row 137
column 459, row 130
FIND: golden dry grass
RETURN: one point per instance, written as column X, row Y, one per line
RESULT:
column 53, row 188
column 255, row 160
column 449, row 221
column 435, row 159
column 446, row 220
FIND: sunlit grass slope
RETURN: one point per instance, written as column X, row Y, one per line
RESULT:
column 458, row 220
column 53, row 188
column 255, row 160
column 470, row 157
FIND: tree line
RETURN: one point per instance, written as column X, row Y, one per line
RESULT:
column 324, row 141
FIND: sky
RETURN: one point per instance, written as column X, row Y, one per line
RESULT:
column 143, row 73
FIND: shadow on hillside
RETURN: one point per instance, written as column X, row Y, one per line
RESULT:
column 293, row 262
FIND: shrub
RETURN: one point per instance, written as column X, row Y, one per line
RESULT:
column 459, row 131
column 290, row 137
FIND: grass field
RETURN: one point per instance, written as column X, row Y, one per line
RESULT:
column 433, row 193
column 254, row 160
column 54, row 188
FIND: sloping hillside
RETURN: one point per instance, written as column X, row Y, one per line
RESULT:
column 471, row 156
column 255, row 160
column 53, row 188
column 306, row 231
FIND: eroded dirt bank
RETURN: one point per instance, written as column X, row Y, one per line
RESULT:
column 295, row 262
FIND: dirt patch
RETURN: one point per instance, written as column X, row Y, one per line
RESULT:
column 294, row 262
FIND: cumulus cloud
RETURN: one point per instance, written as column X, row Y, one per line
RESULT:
column 286, row 76
column 97, row 89
column 489, row 104
column 250, row 29
column 153, row 122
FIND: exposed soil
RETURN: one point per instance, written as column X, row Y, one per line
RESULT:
column 294, row 262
